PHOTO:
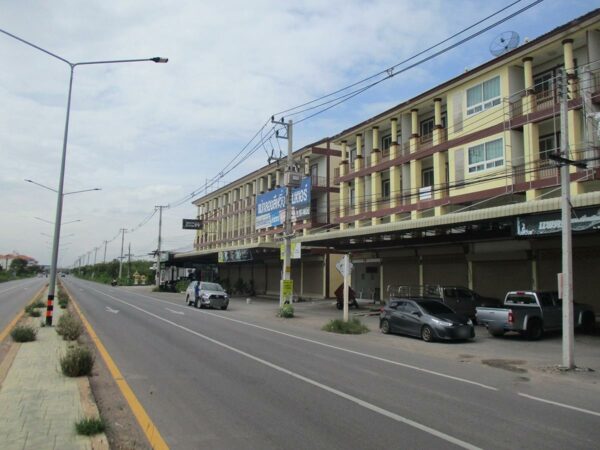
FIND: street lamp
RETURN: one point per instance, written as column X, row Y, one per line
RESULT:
column 60, row 195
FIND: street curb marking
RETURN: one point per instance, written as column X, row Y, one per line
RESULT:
column 150, row 430
column 19, row 315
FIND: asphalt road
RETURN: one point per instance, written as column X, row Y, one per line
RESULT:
column 211, row 379
column 14, row 296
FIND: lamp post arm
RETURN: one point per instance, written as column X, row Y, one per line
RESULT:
column 36, row 47
column 118, row 61
column 83, row 190
column 41, row 185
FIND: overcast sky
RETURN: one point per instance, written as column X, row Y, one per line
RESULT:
column 149, row 134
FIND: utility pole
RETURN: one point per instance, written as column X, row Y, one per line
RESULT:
column 290, row 181
column 89, row 254
column 95, row 254
column 160, row 209
column 123, row 230
column 129, row 263
column 105, row 244
column 567, row 257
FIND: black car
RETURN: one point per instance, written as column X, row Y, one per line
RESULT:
column 427, row 319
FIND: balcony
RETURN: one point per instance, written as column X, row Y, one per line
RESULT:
column 317, row 181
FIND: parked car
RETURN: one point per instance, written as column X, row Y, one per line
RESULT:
column 531, row 313
column 458, row 298
column 427, row 319
column 203, row 294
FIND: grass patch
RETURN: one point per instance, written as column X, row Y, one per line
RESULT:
column 23, row 333
column 69, row 327
column 77, row 362
column 353, row 326
column 286, row 311
column 90, row 426
column 39, row 304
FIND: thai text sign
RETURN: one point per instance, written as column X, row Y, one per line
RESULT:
column 270, row 206
column 582, row 220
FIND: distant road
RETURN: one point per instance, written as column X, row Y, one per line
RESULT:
column 14, row 296
column 212, row 379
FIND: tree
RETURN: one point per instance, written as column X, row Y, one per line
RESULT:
column 18, row 266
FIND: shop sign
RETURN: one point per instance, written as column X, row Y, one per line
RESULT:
column 551, row 223
column 192, row 224
column 229, row 256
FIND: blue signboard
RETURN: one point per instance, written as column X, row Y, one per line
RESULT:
column 270, row 206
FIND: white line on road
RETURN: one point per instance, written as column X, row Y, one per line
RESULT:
column 110, row 310
column 13, row 288
column 358, row 401
column 175, row 312
column 562, row 405
column 365, row 355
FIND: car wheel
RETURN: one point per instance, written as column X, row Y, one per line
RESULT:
column 427, row 333
column 496, row 332
column 384, row 326
column 534, row 330
column 224, row 307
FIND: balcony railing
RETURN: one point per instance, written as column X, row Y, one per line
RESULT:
column 317, row 181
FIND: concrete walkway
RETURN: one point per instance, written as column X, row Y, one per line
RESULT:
column 39, row 405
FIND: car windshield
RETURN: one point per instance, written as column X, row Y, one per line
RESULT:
column 210, row 287
column 435, row 308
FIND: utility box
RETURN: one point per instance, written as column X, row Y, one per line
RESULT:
column 292, row 179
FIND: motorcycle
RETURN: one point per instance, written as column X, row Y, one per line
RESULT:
column 339, row 295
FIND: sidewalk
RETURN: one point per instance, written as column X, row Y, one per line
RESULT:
column 39, row 404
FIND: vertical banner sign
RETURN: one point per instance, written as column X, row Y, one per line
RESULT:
column 270, row 206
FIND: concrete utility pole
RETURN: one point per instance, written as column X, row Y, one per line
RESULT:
column 160, row 209
column 567, row 257
column 123, row 230
column 95, row 254
column 105, row 244
column 290, row 181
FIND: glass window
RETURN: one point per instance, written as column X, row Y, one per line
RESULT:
column 483, row 96
column 486, row 156
column 427, row 177
column 385, row 188
column 548, row 145
column 433, row 307
column 386, row 142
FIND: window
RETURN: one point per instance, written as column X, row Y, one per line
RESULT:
column 428, row 125
column 385, row 188
column 548, row 145
column 314, row 174
column 486, row 156
column 386, row 143
column 427, row 177
column 352, row 156
column 483, row 96
column 543, row 84
column 351, row 197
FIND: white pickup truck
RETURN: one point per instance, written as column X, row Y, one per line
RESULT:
column 531, row 313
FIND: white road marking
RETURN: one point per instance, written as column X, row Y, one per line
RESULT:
column 175, row 312
column 562, row 405
column 12, row 289
column 351, row 398
column 110, row 310
column 365, row 355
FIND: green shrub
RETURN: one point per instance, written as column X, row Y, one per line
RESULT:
column 39, row 304
column 32, row 311
column 69, row 327
column 90, row 426
column 286, row 311
column 182, row 285
column 353, row 326
column 23, row 333
column 77, row 362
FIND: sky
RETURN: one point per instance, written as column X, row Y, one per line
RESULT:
column 150, row 134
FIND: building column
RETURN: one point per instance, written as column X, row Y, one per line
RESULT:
column 438, row 131
column 375, row 199
column 528, row 101
column 414, row 123
column 306, row 166
column 278, row 178
column 531, row 137
column 415, row 184
column 343, row 197
column 440, row 160
column 269, row 181
column 395, row 171
column 359, row 190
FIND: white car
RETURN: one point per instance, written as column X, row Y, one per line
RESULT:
column 203, row 294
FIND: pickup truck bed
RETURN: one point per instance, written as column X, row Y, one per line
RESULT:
column 531, row 313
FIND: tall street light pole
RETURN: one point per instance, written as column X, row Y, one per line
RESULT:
column 158, row 249
column 59, row 201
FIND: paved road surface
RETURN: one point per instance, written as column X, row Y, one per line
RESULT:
column 210, row 380
column 14, row 296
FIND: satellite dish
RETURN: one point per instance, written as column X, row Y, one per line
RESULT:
column 504, row 43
